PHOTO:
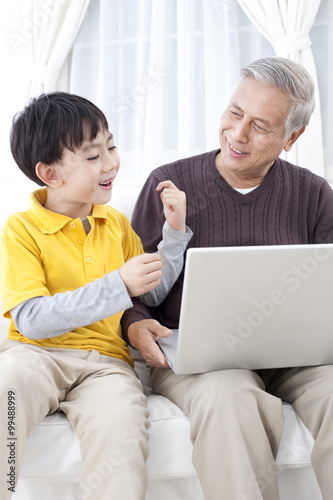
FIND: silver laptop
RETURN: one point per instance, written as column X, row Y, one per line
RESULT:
column 254, row 307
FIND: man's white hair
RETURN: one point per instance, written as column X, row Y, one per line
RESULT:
column 293, row 79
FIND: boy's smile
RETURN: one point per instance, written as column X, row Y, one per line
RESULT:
column 83, row 177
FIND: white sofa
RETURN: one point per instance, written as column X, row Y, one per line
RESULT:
column 52, row 463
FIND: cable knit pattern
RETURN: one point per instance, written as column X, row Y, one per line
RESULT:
column 264, row 226
column 300, row 205
column 252, row 223
column 223, row 216
column 291, row 206
column 278, row 210
column 196, row 203
column 208, row 200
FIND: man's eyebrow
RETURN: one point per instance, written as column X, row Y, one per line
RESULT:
column 235, row 105
column 94, row 144
column 266, row 123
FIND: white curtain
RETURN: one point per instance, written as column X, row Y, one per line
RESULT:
column 162, row 71
column 191, row 85
column 36, row 37
column 41, row 36
column 286, row 25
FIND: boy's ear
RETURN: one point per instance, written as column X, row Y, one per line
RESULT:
column 293, row 138
column 48, row 174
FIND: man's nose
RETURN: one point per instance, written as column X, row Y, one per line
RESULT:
column 241, row 131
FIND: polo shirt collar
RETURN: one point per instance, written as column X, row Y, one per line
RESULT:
column 99, row 212
column 50, row 222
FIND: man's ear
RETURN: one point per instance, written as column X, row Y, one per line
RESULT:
column 49, row 175
column 292, row 139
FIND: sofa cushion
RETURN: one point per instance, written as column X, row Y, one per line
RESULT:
column 296, row 442
column 53, row 449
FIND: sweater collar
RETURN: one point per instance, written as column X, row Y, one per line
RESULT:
column 244, row 199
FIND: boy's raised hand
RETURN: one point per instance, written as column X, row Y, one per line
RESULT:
column 142, row 273
column 174, row 202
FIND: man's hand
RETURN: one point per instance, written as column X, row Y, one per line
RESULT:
column 174, row 202
column 143, row 335
column 142, row 273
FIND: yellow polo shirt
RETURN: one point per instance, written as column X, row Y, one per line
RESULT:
column 44, row 253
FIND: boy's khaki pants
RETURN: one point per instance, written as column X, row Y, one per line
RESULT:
column 103, row 401
column 237, row 421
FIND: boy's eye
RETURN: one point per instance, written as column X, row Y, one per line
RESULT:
column 94, row 158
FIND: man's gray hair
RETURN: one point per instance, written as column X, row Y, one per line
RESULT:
column 293, row 79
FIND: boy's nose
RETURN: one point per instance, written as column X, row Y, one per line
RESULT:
column 110, row 164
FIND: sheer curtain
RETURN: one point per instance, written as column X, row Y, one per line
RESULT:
column 41, row 35
column 162, row 71
column 286, row 25
column 36, row 37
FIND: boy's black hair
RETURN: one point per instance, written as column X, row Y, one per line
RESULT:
column 50, row 123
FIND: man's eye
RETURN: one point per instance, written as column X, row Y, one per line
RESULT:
column 93, row 158
column 112, row 147
column 261, row 129
column 234, row 113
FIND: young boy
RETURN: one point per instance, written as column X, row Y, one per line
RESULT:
column 69, row 267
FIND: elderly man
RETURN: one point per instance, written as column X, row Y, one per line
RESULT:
column 244, row 194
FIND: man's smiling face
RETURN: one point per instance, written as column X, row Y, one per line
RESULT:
column 252, row 131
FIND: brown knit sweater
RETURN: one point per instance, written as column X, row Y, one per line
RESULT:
column 291, row 206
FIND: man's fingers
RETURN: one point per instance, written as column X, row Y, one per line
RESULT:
column 151, row 351
column 156, row 357
column 163, row 332
column 143, row 335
